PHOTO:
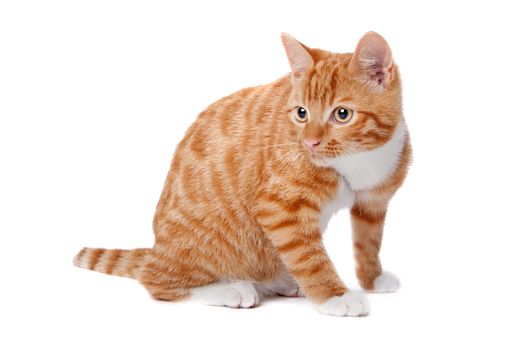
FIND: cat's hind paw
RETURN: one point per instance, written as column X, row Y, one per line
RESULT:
column 386, row 282
column 246, row 296
column 237, row 295
column 352, row 303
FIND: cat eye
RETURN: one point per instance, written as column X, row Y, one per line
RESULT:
column 342, row 114
column 301, row 114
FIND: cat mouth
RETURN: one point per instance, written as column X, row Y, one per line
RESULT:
column 317, row 158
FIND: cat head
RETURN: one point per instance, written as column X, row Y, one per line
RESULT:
column 343, row 103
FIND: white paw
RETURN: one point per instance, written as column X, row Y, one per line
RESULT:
column 352, row 303
column 386, row 282
column 240, row 295
column 235, row 295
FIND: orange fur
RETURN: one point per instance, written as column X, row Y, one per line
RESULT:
column 243, row 196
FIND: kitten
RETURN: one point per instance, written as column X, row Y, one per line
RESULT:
column 257, row 177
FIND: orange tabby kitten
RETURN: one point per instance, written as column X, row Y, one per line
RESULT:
column 257, row 177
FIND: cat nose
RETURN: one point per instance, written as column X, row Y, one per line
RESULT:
column 312, row 144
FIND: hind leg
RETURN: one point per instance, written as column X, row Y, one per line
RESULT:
column 166, row 283
column 203, row 264
column 173, row 279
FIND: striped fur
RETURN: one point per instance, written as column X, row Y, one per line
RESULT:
column 118, row 262
column 244, row 196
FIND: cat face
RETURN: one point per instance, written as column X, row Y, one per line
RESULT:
column 343, row 103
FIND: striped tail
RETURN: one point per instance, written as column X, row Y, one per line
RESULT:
column 118, row 262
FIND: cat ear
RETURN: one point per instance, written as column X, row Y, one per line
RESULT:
column 298, row 56
column 372, row 59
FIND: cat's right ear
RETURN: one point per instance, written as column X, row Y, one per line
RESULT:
column 298, row 56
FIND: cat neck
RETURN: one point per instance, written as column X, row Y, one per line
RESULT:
column 366, row 170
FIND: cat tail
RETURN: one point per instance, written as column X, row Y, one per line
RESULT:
column 118, row 262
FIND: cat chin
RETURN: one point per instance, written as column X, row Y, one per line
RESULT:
column 320, row 162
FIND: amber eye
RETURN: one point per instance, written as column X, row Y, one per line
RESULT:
column 301, row 114
column 342, row 114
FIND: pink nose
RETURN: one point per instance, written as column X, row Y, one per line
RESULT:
column 312, row 144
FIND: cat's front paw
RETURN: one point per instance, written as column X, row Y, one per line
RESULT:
column 352, row 303
column 386, row 282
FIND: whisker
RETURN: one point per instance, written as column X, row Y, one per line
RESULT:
column 281, row 167
column 299, row 167
column 279, row 145
column 277, row 160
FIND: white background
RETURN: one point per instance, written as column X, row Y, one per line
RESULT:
column 95, row 95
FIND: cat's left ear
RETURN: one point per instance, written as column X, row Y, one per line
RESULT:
column 372, row 60
column 298, row 56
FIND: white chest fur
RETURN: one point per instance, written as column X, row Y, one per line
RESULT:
column 363, row 171
column 344, row 198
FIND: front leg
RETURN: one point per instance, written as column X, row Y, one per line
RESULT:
column 294, row 231
column 368, row 219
